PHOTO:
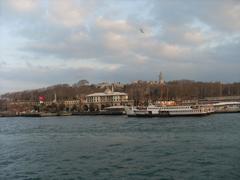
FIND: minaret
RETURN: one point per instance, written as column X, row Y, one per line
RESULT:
column 55, row 98
column 112, row 88
column 161, row 81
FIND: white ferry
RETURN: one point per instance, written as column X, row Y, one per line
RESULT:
column 163, row 111
column 197, row 110
column 113, row 110
column 136, row 112
column 227, row 107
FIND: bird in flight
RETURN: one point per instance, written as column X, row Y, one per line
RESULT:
column 141, row 30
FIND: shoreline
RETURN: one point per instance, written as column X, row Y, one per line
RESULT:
column 89, row 114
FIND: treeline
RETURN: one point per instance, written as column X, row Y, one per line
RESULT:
column 140, row 92
column 181, row 90
column 62, row 91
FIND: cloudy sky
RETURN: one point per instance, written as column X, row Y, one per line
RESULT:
column 45, row 42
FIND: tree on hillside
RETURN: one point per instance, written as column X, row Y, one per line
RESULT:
column 80, row 83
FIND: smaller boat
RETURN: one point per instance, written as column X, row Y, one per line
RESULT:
column 30, row 114
column 47, row 114
column 64, row 113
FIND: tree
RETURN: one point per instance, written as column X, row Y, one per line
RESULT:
column 91, row 108
column 61, row 107
column 74, row 108
column 85, row 108
column 80, row 83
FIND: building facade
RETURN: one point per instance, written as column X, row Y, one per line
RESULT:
column 99, row 101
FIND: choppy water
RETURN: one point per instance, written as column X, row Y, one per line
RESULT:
column 104, row 147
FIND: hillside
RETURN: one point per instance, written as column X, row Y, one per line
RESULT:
column 140, row 91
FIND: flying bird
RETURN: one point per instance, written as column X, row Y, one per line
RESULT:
column 141, row 30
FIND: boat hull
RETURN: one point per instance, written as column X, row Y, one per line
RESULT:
column 188, row 114
column 147, row 114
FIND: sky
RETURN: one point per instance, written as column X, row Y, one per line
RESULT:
column 46, row 42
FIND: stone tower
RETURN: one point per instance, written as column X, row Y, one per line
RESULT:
column 161, row 81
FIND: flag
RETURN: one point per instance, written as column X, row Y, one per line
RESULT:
column 41, row 99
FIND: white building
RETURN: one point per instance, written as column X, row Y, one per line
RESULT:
column 107, row 98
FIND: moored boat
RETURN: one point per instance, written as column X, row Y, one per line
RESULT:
column 227, row 107
column 150, row 111
column 47, row 114
column 197, row 110
column 64, row 113
column 113, row 110
column 166, row 111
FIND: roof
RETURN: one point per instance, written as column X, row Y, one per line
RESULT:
column 226, row 103
column 108, row 94
column 115, row 107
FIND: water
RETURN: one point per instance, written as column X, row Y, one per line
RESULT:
column 105, row 147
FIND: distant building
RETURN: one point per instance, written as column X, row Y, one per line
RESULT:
column 118, row 85
column 139, row 82
column 152, row 82
column 166, row 103
column 219, row 99
column 103, row 85
column 107, row 98
column 71, row 103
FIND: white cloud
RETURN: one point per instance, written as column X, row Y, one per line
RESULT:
column 66, row 12
column 116, row 41
column 225, row 17
column 24, row 5
column 194, row 37
column 114, row 25
column 173, row 51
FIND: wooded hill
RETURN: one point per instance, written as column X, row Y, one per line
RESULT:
column 140, row 92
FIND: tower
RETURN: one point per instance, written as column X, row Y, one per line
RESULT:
column 161, row 81
column 55, row 98
column 112, row 87
column 162, row 86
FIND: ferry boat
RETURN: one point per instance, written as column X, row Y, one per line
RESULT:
column 167, row 111
column 227, row 107
column 150, row 111
column 113, row 110
column 145, row 112
column 197, row 110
